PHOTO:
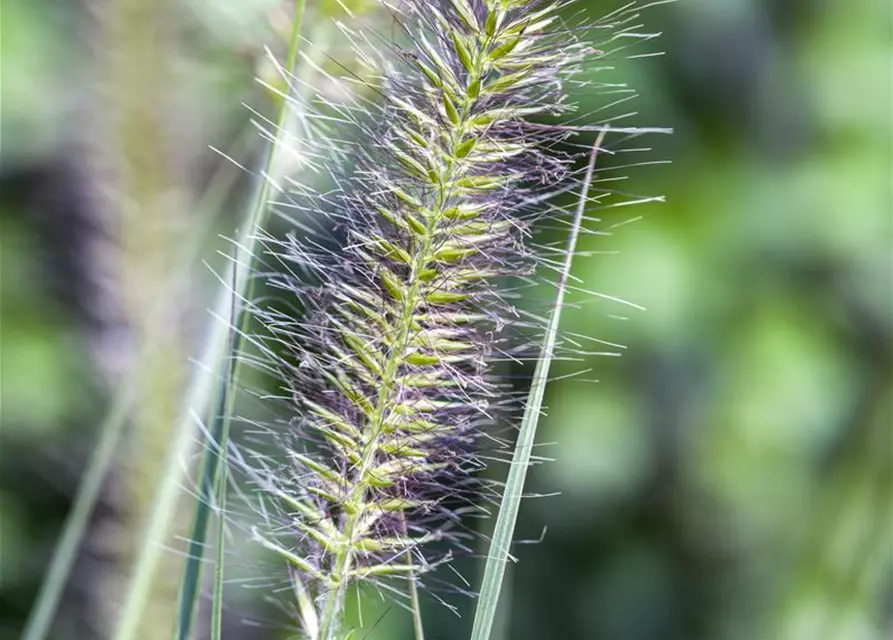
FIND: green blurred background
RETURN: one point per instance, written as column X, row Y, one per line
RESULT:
column 729, row 477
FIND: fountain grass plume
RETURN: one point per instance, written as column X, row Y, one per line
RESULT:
column 388, row 372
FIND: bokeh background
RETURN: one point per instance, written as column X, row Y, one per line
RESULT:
column 729, row 477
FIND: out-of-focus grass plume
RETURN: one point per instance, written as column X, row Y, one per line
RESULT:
column 730, row 477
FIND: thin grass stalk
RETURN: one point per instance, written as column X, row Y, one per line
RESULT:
column 164, row 506
column 418, row 628
column 502, row 621
column 218, row 591
column 214, row 458
column 415, row 603
column 112, row 428
column 503, row 533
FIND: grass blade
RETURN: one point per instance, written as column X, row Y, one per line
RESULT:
column 214, row 462
column 51, row 588
column 164, row 505
column 497, row 557
column 217, row 606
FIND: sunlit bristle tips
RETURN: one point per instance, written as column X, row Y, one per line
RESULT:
column 387, row 369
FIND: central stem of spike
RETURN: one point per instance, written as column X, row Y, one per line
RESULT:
column 388, row 397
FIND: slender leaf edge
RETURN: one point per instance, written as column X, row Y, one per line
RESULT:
column 497, row 557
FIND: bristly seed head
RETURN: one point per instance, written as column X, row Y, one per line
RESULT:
column 388, row 371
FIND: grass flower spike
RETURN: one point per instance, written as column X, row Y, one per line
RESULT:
column 387, row 373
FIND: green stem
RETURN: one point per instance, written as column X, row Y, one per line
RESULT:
column 417, row 626
column 242, row 285
column 494, row 570
column 41, row 617
column 217, row 606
